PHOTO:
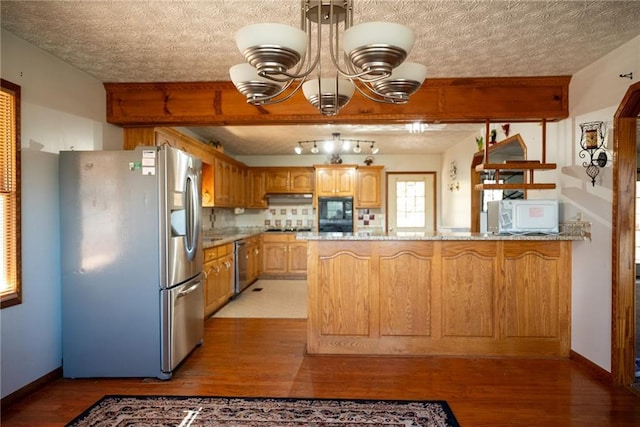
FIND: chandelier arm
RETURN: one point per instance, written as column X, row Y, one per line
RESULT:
column 382, row 98
column 350, row 73
column 269, row 100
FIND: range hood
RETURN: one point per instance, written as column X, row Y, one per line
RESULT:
column 290, row 199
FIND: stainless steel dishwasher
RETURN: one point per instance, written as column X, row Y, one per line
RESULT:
column 241, row 266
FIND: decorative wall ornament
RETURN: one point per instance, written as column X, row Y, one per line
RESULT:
column 453, row 175
column 592, row 143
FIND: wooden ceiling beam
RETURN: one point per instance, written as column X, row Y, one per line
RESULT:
column 468, row 100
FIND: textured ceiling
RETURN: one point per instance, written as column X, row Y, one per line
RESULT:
column 144, row 41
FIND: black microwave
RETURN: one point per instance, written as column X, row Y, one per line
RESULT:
column 335, row 214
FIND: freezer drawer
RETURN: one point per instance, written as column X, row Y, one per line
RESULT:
column 183, row 321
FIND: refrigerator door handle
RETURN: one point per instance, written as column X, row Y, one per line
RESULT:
column 192, row 217
column 187, row 291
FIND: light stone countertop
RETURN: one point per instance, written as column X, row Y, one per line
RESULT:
column 436, row 236
column 229, row 236
column 211, row 239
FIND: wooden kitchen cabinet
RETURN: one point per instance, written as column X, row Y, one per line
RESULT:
column 454, row 298
column 288, row 180
column 221, row 182
column 228, row 182
column 369, row 187
column 219, row 277
column 256, row 194
column 335, row 180
column 283, row 256
column 254, row 258
column 207, row 185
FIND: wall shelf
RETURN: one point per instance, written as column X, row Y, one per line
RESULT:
column 523, row 166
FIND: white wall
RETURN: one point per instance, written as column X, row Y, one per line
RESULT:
column 62, row 108
column 594, row 94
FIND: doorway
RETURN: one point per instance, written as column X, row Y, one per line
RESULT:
column 411, row 202
column 623, row 334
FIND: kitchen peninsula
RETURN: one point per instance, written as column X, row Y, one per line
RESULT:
column 467, row 294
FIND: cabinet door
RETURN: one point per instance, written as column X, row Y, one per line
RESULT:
column 227, row 276
column 277, row 181
column 256, row 189
column 236, row 187
column 210, row 300
column 335, row 181
column 253, row 259
column 274, row 257
column 221, row 172
column 207, row 185
column 344, row 181
column 301, row 180
column 324, row 182
column 537, row 271
column 297, row 252
column 369, row 187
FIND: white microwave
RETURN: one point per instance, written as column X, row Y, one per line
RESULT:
column 523, row 216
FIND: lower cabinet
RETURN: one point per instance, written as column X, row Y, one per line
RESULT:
column 254, row 258
column 283, row 256
column 468, row 298
column 219, row 277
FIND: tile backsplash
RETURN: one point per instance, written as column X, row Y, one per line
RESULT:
column 369, row 219
column 294, row 216
column 290, row 216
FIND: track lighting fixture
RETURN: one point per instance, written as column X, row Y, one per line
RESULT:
column 336, row 145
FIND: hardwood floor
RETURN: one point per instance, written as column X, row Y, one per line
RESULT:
column 266, row 357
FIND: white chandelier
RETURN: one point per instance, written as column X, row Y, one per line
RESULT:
column 281, row 59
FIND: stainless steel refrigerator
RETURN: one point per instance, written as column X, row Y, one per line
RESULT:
column 131, row 261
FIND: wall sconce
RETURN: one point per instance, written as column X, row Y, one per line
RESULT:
column 592, row 143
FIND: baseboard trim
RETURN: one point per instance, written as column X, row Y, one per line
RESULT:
column 46, row 379
column 598, row 372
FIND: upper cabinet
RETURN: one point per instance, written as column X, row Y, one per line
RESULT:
column 335, row 180
column 369, row 187
column 288, row 180
column 255, row 189
column 223, row 178
column 229, row 178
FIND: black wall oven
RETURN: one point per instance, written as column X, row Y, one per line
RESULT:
column 335, row 214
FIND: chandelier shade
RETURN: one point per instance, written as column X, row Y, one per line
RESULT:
column 404, row 81
column 325, row 96
column 272, row 47
column 246, row 79
column 378, row 47
column 367, row 57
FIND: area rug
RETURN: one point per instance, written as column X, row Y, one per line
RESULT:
column 193, row 411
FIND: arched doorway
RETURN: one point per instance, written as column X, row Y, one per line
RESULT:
column 623, row 239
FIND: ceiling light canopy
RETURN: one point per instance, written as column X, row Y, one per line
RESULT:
column 336, row 144
column 281, row 59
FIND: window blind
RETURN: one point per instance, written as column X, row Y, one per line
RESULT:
column 9, row 196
